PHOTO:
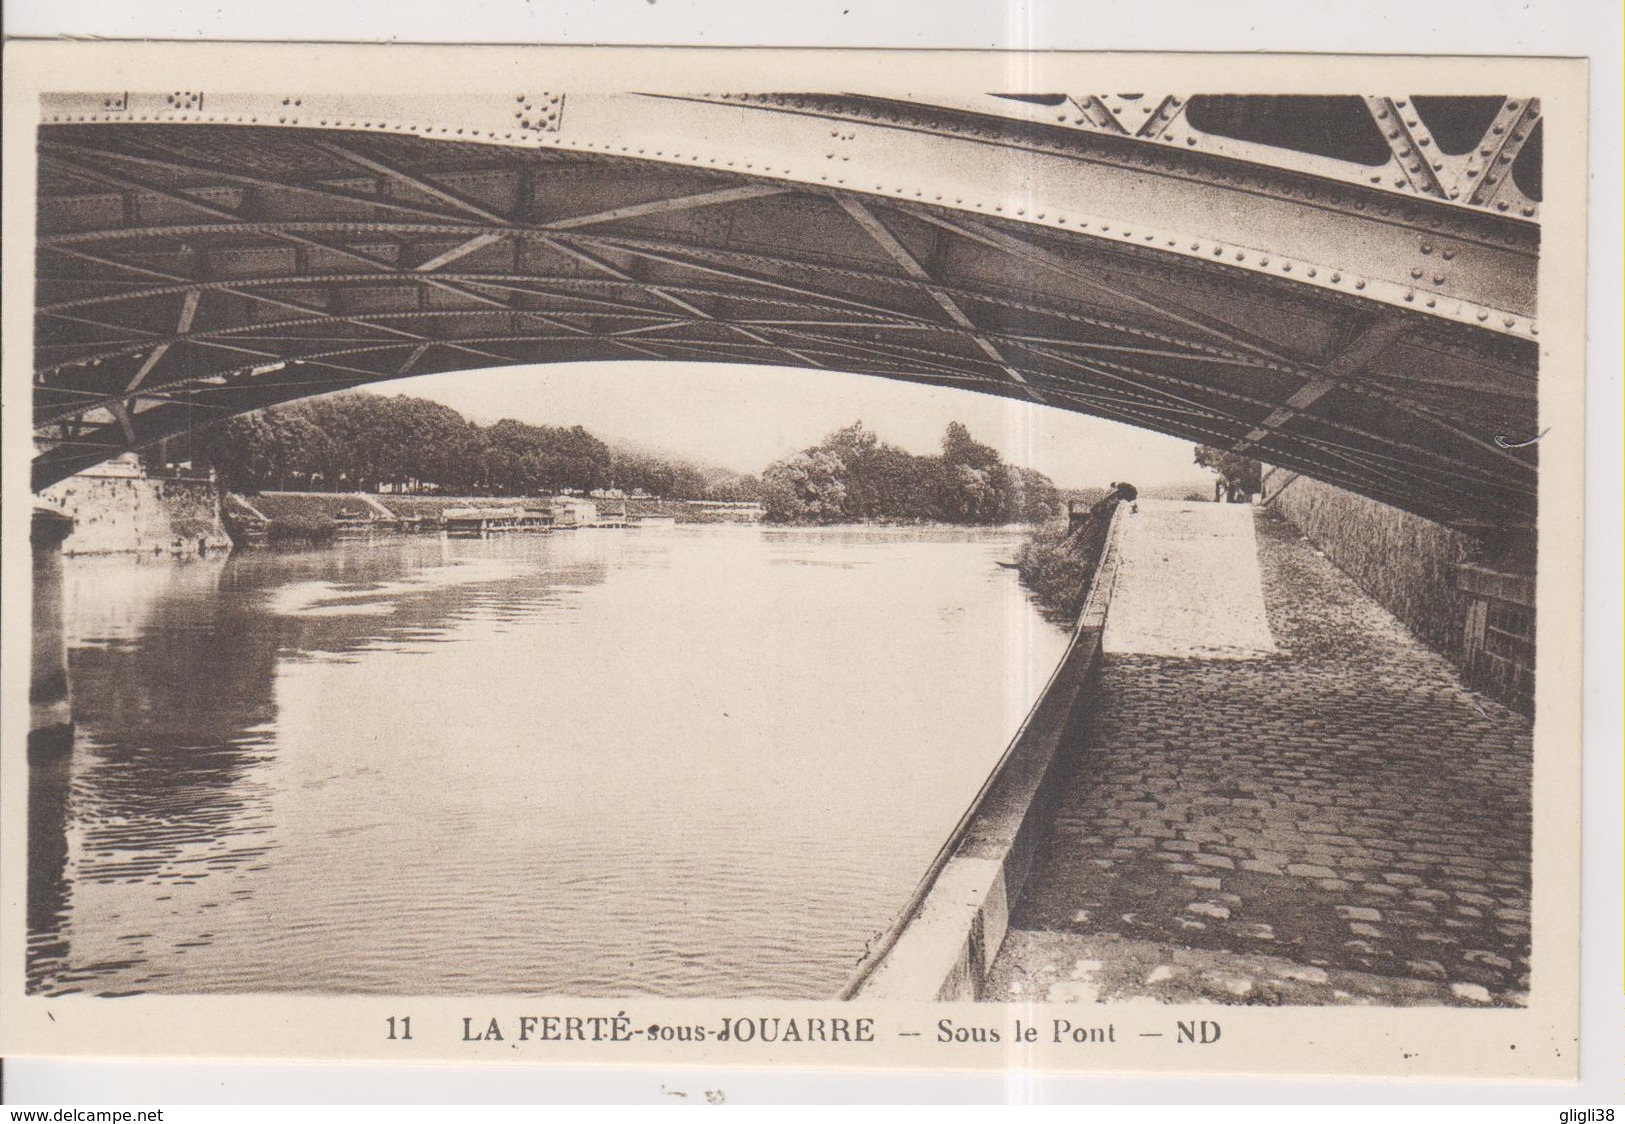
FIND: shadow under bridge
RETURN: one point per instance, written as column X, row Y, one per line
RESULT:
column 1341, row 286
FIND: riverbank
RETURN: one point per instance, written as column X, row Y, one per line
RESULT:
column 317, row 517
column 1057, row 562
column 1052, row 566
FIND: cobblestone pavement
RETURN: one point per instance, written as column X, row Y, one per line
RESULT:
column 1345, row 805
column 1067, row 968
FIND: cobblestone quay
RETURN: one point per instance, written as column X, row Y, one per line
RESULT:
column 1339, row 821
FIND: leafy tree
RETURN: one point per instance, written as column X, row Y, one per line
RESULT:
column 1239, row 473
column 960, row 448
column 969, row 495
column 975, row 481
column 269, row 449
column 1032, row 497
column 734, row 489
column 882, row 481
column 805, row 487
column 968, row 483
column 658, row 476
column 362, row 442
column 523, row 459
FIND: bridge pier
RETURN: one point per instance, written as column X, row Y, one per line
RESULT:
column 50, row 702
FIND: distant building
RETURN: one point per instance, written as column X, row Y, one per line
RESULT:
column 574, row 511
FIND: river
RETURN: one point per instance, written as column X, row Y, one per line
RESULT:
column 709, row 760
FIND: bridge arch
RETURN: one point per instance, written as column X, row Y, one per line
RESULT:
column 1369, row 321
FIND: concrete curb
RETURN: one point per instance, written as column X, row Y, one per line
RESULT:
column 950, row 934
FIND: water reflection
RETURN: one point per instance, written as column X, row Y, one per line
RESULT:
column 704, row 761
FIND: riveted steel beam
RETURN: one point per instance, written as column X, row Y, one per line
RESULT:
column 884, row 150
column 1363, row 351
column 901, row 254
column 668, row 297
column 1164, row 307
column 189, row 305
column 459, row 251
column 1415, row 156
column 415, row 182
column 1095, row 113
column 1489, row 166
column 1131, row 275
column 667, row 206
column 224, row 175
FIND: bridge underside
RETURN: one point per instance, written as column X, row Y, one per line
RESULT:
column 191, row 271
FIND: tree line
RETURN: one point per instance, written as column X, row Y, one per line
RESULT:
column 853, row 475
column 367, row 443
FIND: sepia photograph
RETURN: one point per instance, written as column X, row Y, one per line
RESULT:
column 797, row 553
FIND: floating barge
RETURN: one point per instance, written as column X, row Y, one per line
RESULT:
column 362, row 525
column 483, row 522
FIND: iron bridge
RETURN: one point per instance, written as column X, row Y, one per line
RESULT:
column 1344, row 286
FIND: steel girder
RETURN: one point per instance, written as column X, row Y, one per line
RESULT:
column 203, row 255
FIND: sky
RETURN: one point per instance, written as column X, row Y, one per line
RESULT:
column 745, row 417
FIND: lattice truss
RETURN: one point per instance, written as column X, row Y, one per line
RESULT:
column 191, row 271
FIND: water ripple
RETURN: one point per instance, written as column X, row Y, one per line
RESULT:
column 712, row 762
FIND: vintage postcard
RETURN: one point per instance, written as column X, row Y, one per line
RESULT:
column 924, row 560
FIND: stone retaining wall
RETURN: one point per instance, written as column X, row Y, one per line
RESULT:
column 1480, row 614
column 1402, row 561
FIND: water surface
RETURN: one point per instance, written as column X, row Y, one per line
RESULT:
column 693, row 761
